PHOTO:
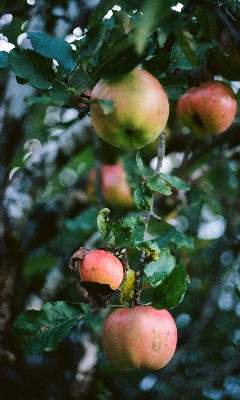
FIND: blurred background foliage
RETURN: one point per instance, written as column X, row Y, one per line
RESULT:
column 46, row 154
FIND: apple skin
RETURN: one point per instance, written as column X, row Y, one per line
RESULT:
column 102, row 267
column 139, row 337
column 140, row 112
column 115, row 188
column 208, row 109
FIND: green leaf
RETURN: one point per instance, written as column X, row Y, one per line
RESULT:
column 43, row 330
column 174, row 87
column 103, row 222
column 141, row 167
column 32, row 67
column 3, row 59
column 171, row 291
column 169, row 234
column 175, row 182
column 179, row 59
column 187, row 44
column 151, row 249
column 85, row 222
column 208, row 21
column 107, row 106
column 143, row 197
column 158, row 184
column 121, row 57
column 129, row 231
column 57, row 96
column 157, row 271
column 91, row 43
column 57, row 49
column 156, row 65
column 100, row 11
column 153, row 12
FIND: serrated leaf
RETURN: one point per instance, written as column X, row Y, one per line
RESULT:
column 127, row 288
column 179, row 59
column 32, row 67
column 43, row 330
column 143, row 197
column 158, row 184
column 129, row 231
column 3, row 59
column 57, row 49
column 175, row 182
column 151, row 249
column 158, row 271
column 171, row 292
column 103, row 222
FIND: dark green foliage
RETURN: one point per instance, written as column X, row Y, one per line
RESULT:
column 185, row 219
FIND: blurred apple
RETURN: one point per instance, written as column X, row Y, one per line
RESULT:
column 208, row 109
column 115, row 188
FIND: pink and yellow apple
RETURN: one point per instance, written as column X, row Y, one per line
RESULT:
column 139, row 337
column 100, row 266
column 140, row 109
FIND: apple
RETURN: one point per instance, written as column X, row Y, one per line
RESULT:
column 100, row 266
column 208, row 109
column 139, row 337
column 140, row 109
column 227, row 65
column 115, row 188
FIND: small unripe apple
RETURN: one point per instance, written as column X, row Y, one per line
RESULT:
column 100, row 266
column 115, row 188
column 139, row 337
column 140, row 109
column 208, row 109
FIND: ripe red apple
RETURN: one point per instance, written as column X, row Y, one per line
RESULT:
column 100, row 266
column 115, row 188
column 139, row 337
column 140, row 110
column 208, row 109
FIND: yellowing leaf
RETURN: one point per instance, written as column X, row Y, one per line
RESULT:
column 127, row 288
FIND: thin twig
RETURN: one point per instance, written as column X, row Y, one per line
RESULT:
column 150, row 213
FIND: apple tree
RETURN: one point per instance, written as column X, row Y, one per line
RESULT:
column 119, row 230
